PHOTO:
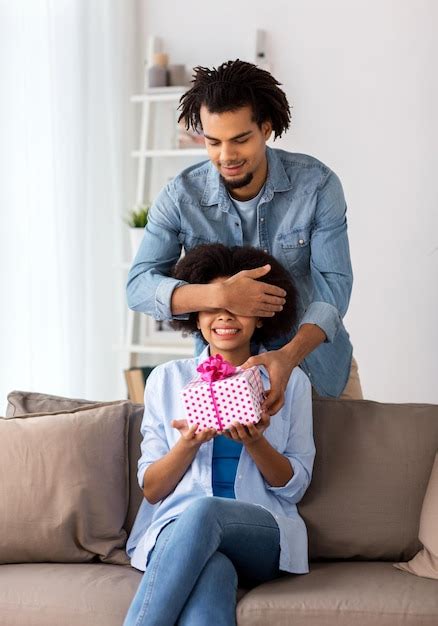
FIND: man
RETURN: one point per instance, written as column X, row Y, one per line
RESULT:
column 290, row 205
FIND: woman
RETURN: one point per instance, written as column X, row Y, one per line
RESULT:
column 224, row 505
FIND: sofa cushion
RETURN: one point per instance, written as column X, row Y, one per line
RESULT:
column 21, row 402
column 55, row 594
column 425, row 562
column 64, row 489
column 24, row 402
column 342, row 594
column 372, row 465
column 75, row 594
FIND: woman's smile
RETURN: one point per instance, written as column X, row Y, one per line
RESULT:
column 226, row 332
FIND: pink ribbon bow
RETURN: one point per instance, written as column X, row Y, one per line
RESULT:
column 215, row 368
column 212, row 369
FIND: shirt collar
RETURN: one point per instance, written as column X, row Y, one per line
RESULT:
column 206, row 353
column 277, row 180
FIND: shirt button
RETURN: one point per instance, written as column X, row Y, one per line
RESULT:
column 265, row 251
column 301, row 242
column 262, row 219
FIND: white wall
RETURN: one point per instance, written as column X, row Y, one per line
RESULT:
column 362, row 78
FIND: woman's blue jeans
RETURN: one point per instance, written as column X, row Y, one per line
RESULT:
column 192, row 574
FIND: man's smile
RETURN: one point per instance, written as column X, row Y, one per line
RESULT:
column 232, row 169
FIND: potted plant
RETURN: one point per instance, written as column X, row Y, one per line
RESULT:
column 137, row 220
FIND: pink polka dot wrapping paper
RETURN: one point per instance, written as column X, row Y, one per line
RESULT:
column 237, row 398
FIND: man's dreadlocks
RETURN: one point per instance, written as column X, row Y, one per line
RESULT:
column 233, row 85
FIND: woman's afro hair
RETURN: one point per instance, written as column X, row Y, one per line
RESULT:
column 206, row 262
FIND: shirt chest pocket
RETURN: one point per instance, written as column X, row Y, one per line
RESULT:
column 295, row 248
column 190, row 240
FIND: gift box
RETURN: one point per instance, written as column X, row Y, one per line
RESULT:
column 222, row 394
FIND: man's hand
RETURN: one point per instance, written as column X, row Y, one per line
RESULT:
column 248, row 434
column 279, row 366
column 189, row 435
column 242, row 294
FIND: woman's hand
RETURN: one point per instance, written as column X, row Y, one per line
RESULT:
column 162, row 476
column 248, row 434
column 189, row 436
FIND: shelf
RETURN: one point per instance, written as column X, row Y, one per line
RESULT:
column 141, row 335
column 160, row 94
column 181, row 152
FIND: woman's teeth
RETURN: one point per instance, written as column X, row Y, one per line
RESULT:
column 226, row 331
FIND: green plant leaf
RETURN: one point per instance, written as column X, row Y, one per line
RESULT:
column 138, row 216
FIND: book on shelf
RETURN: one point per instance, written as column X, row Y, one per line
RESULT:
column 136, row 379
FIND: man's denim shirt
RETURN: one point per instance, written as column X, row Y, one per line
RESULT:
column 301, row 222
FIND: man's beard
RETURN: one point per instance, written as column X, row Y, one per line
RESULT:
column 237, row 184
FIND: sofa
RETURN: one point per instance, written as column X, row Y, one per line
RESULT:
column 362, row 512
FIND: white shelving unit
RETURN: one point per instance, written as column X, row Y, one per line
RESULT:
column 142, row 333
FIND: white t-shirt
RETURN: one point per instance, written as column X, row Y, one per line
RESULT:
column 247, row 211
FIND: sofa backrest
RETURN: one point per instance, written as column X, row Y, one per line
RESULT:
column 371, row 470
column 134, row 441
column 372, row 465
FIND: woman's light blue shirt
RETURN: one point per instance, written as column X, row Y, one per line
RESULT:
column 290, row 432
